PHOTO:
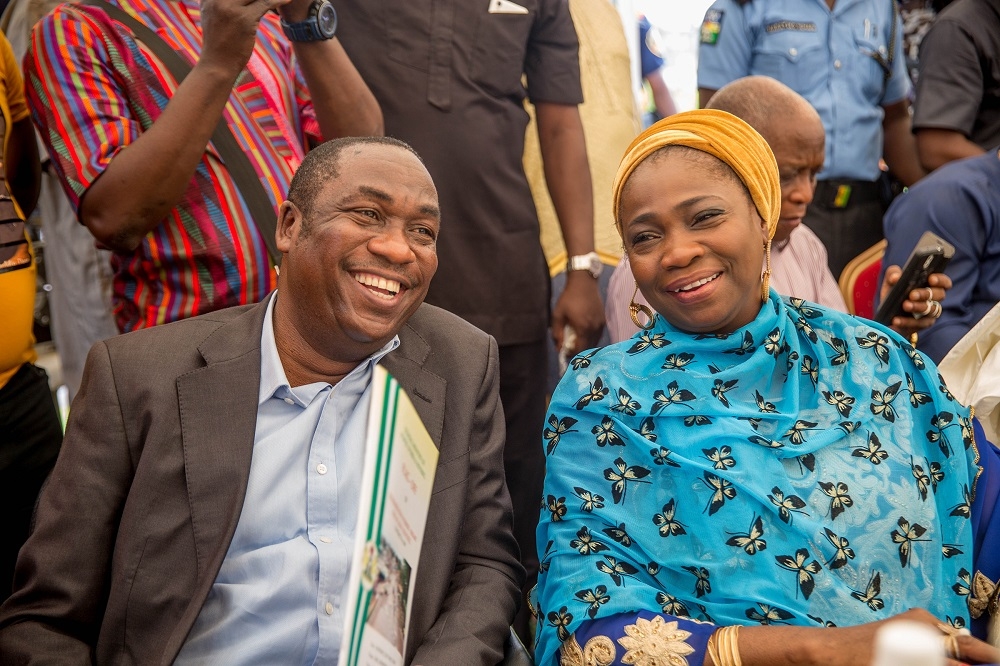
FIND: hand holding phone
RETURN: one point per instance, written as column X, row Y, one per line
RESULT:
column 931, row 255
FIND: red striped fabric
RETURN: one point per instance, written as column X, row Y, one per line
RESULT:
column 93, row 89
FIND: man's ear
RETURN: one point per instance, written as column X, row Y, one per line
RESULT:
column 289, row 223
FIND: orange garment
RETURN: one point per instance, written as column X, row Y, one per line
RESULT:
column 17, row 288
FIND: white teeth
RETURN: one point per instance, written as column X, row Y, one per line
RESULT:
column 695, row 285
column 391, row 286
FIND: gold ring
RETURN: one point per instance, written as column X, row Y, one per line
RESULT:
column 951, row 647
column 930, row 294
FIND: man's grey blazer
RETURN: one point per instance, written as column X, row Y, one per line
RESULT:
column 140, row 509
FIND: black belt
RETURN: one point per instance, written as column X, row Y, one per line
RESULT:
column 846, row 193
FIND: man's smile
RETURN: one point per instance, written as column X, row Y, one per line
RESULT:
column 380, row 286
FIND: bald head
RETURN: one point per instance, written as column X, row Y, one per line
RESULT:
column 794, row 131
column 767, row 105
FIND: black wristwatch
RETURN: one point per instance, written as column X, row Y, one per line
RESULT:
column 321, row 24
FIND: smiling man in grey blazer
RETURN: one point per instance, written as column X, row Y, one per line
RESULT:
column 203, row 507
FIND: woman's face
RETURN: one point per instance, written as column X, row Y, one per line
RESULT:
column 695, row 241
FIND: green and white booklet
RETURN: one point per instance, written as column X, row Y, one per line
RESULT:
column 400, row 461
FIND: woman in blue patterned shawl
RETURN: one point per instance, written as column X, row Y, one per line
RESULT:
column 747, row 459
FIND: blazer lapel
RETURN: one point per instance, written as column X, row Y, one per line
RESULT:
column 218, row 415
column 426, row 390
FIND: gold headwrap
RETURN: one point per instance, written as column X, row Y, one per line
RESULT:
column 726, row 137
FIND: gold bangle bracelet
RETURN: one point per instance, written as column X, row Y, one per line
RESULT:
column 723, row 646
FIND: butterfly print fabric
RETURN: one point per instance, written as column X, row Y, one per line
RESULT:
column 807, row 469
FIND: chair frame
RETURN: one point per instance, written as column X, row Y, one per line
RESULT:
column 849, row 276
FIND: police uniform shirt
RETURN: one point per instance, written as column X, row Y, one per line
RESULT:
column 451, row 77
column 838, row 60
column 959, row 83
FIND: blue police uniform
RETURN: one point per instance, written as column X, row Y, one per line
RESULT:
column 840, row 61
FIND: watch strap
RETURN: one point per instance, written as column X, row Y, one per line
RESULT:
column 309, row 29
column 302, row 31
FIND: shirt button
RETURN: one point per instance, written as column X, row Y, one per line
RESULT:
column 326, row 539
column 836, row 64
column 793, row 52
column 289, row 401
column 329, row 608
column 321, row 468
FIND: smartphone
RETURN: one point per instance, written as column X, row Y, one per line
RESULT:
column 931, row 255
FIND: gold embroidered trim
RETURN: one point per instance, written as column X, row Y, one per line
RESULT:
column 655, row 643
column 975, row 451
column 983, row 596
column 599, row 651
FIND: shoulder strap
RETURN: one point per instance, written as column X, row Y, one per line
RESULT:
column 892, row 44
column 236, row 161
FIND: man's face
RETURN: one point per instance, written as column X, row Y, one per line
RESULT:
column 360, row 264
column 798, row 148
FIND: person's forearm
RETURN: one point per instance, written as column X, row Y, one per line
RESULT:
column 343, row 102
column 898, row 145
column 937, row 147
column 661, row 94
column 567, row 174
column 147, row 178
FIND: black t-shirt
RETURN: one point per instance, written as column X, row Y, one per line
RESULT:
column 959, row 83
column 451, row 78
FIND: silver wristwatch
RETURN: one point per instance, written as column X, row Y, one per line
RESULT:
column 589, row 262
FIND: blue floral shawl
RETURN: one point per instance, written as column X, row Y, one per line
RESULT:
column 810, row 468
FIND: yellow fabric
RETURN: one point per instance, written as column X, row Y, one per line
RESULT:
column 610, row 121
column 720, row 134
column 17, row 288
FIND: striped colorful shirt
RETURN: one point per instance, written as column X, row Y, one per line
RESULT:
column 93, row 89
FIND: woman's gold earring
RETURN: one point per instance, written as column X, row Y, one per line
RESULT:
column 635, row 308
column 765, row 287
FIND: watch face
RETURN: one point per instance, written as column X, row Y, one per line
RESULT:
column 326, row 19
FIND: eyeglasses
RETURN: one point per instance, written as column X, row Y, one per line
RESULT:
column 14, row 251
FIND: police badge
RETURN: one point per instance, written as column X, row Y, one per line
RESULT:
column 711, row 26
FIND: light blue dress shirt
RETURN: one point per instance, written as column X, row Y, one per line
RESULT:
column 837, row 60
column 277, row 598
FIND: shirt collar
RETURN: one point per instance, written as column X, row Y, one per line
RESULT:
column 272, row 373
